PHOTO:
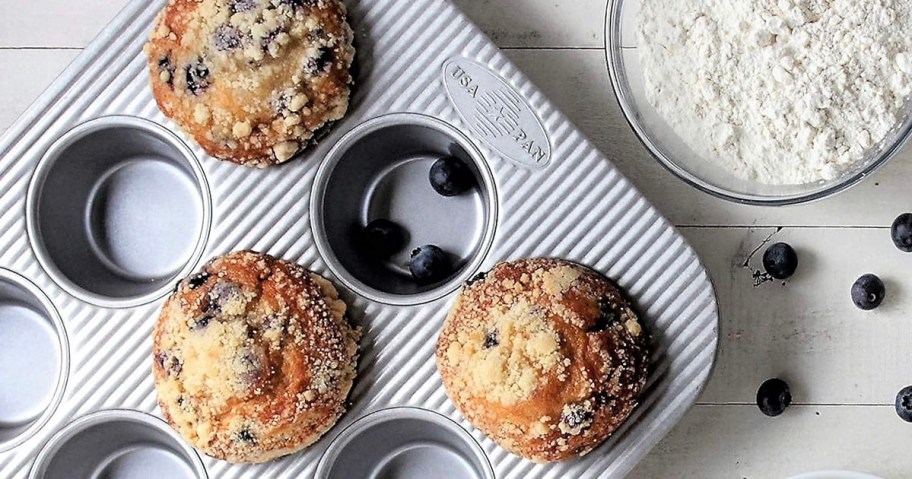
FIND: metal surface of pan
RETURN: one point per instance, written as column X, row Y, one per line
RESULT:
column 404, row 443
column 556, row 195
column 34, row 359
column 117, row 444
column 117, row 210
column 380, row 171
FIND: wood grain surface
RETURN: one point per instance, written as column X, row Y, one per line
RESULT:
column 845, row 366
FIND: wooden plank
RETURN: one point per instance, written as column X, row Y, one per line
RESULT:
column 54, row 23
column 550, row 24
column 807, row 330
column 577, row 81
column 26, row 74
column 511, row 23
column 733, row 442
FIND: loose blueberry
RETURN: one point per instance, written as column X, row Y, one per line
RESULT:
column 901, row 231
column 780, row 261
column 868, row 292
column 904, row 404
column 773, row 397
column 450, row 177
column 197, row 77
column 382, row 238
column 429, row 264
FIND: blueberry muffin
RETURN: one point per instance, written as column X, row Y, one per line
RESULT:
column 253, row 358
column 253, row 81
column 544, row 356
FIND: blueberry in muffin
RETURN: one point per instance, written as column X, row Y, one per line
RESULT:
column 545, row 356
column 253, row 358
column 253, row 81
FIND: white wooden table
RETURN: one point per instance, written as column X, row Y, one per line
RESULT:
column 844, row 366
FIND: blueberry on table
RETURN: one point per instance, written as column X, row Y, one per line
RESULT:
column 901, row 231
column 451, row 177
column 868, row 292
column 904, row 404
column 773, row 397
column 429, row 264
column 780, row 261
column 382, row 238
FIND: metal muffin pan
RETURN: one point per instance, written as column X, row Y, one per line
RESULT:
column 550, row 193
column 117, row 444
column 118, row 209
column 380, row 171
column 34, row 359
column 404, row 443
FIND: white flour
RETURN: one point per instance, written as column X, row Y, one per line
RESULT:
column 778, row 91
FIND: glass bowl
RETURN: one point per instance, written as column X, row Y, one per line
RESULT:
column 671, row 151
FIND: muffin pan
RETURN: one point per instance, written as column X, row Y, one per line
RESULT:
column 404, row 443
column 105, row 206
column 34, row 359
column 117, row 211
column 117, row 445
column 380, row 171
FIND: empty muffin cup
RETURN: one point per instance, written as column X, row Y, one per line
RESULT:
column 117, row 444
column 117, row 210
column 380, row 170
column 404, row 443
column 34, row 359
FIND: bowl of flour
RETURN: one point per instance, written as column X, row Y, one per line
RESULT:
column 765, row 101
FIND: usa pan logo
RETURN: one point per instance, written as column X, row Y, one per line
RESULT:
column 497, row 113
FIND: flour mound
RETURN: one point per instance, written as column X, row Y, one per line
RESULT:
column 778, row 91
